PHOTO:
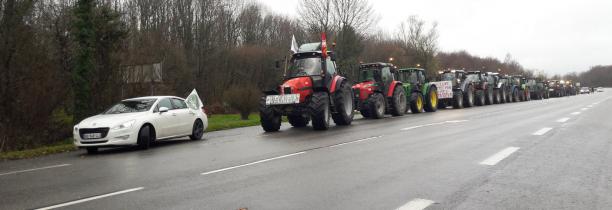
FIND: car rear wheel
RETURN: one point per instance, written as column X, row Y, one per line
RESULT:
column 197, row 131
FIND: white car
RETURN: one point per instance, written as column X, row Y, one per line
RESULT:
column 140, row 121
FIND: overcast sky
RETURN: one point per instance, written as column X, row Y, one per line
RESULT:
column 555, row 36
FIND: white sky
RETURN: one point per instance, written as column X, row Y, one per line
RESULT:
column 555, row 36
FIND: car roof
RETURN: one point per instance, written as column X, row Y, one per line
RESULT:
column 151, row 97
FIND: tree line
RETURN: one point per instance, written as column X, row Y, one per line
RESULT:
column 64, row 60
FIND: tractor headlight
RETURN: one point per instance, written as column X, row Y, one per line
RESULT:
column 124, row 125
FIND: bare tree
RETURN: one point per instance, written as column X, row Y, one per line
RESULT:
column 316, row 15
column 419, row 41
column 358, row 14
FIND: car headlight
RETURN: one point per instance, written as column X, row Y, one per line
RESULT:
column 124, row 125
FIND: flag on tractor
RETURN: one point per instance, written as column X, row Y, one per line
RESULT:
column 294, row 44
column 324, row 45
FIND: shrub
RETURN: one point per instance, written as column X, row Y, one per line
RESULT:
column 243, row 98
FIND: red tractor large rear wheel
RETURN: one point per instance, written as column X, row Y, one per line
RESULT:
column 343, row 104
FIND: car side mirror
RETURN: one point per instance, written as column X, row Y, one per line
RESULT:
column 163, row 109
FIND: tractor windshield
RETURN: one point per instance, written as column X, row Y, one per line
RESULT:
column 449, row 76
column 369, row 74
column 305, row 67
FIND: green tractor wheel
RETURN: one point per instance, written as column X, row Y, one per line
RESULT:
column 416, row 103
column 431, row 103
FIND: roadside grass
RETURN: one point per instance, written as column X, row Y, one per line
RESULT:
column 216, row 122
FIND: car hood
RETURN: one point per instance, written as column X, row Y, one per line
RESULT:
column 110, row 120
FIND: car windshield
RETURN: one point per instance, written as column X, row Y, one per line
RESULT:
column 130, row 106
column 368, row 74
column 305, row 67
column 447, row 76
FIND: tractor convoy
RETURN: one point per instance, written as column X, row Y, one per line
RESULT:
column 313, row 91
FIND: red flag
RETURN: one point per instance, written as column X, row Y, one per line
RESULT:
column 324, row 45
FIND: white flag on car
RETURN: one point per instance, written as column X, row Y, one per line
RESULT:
column 294, row 44
column 193, row 100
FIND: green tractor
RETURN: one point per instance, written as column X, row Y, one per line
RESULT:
column 422, row 95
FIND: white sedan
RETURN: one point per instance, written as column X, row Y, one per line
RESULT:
column 140, row 121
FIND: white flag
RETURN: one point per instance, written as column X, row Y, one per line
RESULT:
column 193, row 100
column 294, row 45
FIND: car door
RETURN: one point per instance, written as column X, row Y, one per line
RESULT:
column 186, row 117
column 166, row 119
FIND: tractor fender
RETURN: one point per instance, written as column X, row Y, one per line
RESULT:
column 392, row 88
column 426, row 88
column 335, row 82
column 464, row 86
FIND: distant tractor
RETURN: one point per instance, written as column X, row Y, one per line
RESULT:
column 515, row 87
column 312, row 90
column 423, row 95
column 543, row 86
column 558, row 88
column 482, row 86
column 462, row 88
column 536, row 89
column 500, row 87
column 378, row 92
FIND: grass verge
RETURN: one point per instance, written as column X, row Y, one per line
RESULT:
column 215, row 123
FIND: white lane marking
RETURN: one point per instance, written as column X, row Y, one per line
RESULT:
column 34, row 169
column 562, row 120
column 432, row 124
column 253, row 163
column 575, row 113
column 590, row 106
column 416, row 204
column 542, row 131
column 91, row 198
column 497, row 157
column 356, row 141
column 584, row 109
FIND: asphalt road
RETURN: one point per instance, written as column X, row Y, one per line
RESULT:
column 549, row 154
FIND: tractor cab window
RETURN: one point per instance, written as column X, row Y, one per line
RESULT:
column 447, row 76
column 369, row 74
column 331, row 66
column 421, row 77
column 386, row 74
column 473, row 77
column 414, row 78
column 305, row 67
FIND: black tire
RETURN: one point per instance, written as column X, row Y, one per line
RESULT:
column 416, row 103
column 458, row 99
column 498, row 96
column 145, row 137
column 431, row 99
column 319, row 109
column 508, row 93
column 298, row 121
column 468, row 100
column 92, row 150
column 398, row 101
column 197, row 131
column 343, row 104
column 365, row 111
column 480, row 98
column 489, row 99
column 270, row 120
column 376, row 106
column 516, row 96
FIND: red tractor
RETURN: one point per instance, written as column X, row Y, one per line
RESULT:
column 378, row 92
column 312, row 90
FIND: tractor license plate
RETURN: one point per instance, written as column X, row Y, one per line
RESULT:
column 92, row 135
column 283, row 99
